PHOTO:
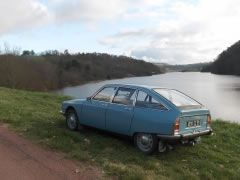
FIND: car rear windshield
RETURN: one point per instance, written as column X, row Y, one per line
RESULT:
column 177, row 98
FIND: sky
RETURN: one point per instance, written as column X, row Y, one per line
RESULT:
column 164, row 31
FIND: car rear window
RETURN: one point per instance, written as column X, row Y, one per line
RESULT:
column 177, row 98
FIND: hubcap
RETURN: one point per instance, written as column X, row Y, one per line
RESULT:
column 72, row 121
column 144, row 141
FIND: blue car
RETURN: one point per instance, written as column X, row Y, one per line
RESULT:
column 152, row 116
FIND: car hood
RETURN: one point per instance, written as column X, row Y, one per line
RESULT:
column 74, row 101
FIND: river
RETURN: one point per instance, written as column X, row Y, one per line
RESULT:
column 219, row 93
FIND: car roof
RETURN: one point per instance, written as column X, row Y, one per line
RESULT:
column 137, row 86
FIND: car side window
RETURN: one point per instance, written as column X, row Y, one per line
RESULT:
column 125, row 96
column 105, row 94
column 147, row 101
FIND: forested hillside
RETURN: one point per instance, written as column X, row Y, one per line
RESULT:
column 53, row 70
column 197, row 67
column 228, row 62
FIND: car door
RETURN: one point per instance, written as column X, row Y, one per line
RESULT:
column 151, row 115
column 94, row 110
column 120, row 112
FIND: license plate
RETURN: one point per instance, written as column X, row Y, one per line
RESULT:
column 193, row 123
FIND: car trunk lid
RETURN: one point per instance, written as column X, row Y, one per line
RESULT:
column 193, row 120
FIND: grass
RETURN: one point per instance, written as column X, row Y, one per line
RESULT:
column 36, row 116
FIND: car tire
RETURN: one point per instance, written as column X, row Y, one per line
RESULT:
column 72, row 120
column 145, row 142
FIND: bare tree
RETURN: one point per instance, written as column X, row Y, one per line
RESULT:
column 6, row 48
column 16, row 50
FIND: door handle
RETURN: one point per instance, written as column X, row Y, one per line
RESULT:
column 128, row 108
column 103, row 104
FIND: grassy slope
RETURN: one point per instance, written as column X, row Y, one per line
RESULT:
column 35, row 115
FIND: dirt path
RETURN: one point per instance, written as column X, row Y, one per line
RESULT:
column 22, row 160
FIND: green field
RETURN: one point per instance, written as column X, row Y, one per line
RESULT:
column 36, row 116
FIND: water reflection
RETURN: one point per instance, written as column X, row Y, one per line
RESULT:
column 221, row 94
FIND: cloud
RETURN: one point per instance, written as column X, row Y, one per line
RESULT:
column 89, row 11
column 20, row 14
column 97, row 11
column 122, row 36
column 174, row 31
column 191, row 32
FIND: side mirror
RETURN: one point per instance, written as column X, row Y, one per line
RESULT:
column 89, row 98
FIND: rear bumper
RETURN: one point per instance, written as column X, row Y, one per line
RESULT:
column 186, row 136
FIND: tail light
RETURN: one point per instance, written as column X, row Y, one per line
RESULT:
column 209, row 120
column 176, row 126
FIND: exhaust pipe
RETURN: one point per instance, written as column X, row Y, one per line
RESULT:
column 162, row 146
column 192, row 143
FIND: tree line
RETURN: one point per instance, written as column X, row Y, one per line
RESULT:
column 53, row 70
column 228, row 62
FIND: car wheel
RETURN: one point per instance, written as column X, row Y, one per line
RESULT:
column 72, row 120
column 147, row 143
